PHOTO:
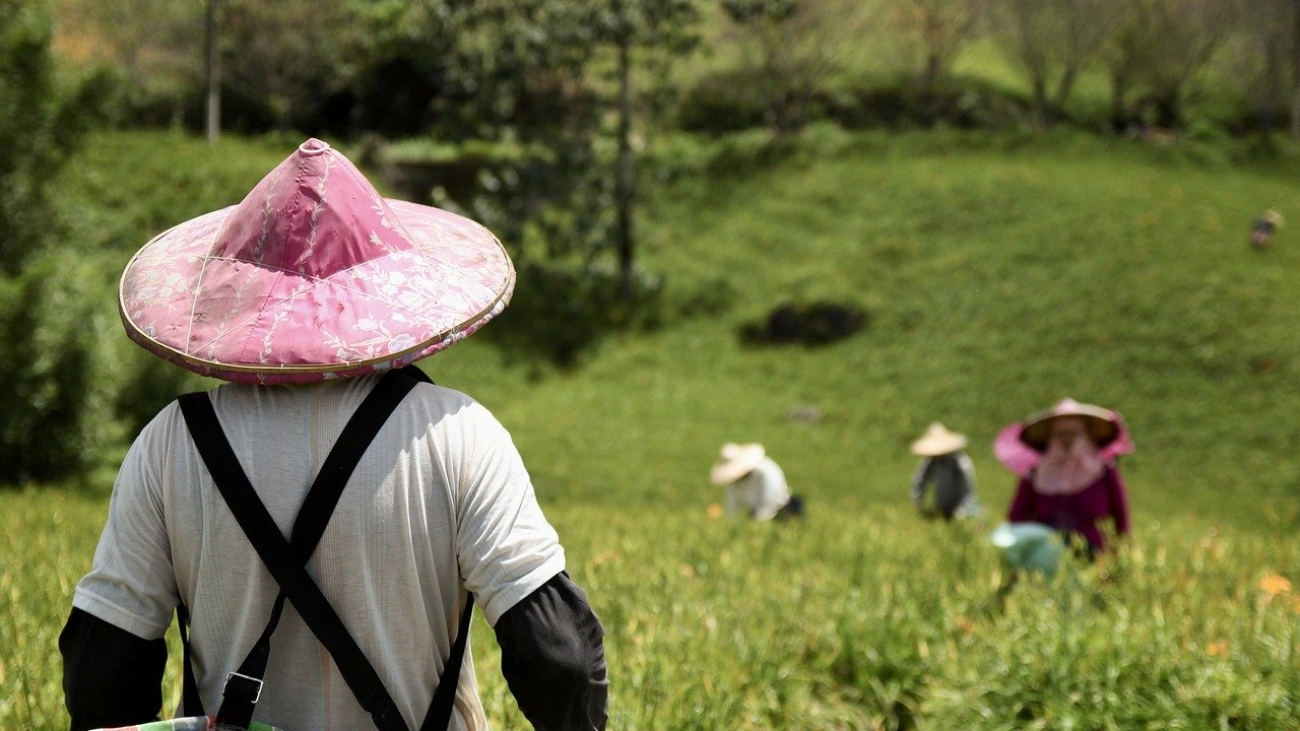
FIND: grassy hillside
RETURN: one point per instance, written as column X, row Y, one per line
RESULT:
column 1000, row 274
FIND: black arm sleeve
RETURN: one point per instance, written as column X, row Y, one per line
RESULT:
column 553, row 658
column 110, row 677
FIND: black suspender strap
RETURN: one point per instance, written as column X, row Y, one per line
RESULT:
column 191, row 703
column 285, row 559
column 444, row 696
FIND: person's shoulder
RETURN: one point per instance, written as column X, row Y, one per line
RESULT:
column 449, row 406
column 164, row 421
column 433, row 393
column 770, row 467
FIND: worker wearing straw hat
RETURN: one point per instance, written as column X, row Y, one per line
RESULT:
column 1263, row 228
column 1069, row 479
column 313, row 297
column 755, row 483
column 945, row 465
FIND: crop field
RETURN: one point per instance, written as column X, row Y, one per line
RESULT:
column 999, row 274
column 850, row 620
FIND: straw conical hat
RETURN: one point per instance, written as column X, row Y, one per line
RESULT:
column 938, row 440
column 1103, row 425
column 735, row 461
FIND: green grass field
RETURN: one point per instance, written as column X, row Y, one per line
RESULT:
column 1000, row 274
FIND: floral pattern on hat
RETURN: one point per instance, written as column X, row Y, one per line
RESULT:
column 314, row 275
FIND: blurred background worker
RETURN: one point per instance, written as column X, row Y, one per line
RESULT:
column 1262, row 230
column 755, row 483
column 1072, row 481
column 945, row 465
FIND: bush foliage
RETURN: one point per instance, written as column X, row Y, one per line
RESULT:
column 52, row 427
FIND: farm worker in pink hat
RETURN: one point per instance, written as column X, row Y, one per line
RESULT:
column 755, row 483
column 324, row 523
column 1069, row 479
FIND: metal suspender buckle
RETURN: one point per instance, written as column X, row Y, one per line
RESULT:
column 246, row 686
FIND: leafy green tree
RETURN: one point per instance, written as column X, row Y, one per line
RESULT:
column 154, row 47
column 930, row 33
column 36, row 131
column 1272, row 28
column 541, row 99
column 1124, row 53
column 1051, row 41
column 58, row 420
column 283, row 56
column 790, row 47
column 1181, row 36
column 662, row 29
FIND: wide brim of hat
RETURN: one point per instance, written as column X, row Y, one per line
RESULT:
column 737, row 462
column 933, row 445
column 1102, row 424
column 244, row 322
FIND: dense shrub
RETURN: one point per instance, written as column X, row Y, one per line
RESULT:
column 56, row 422
column 83, row 389
column 731, row 101
column 133, row 105
column 726, row 101
column 48, row 427
column 39, row 125
column 560, row 311
column 963, row 104
column 814, row 323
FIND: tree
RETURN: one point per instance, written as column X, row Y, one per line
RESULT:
column 212, row 58
column 1182, row 37
column 793, row 46
column 1294, row 57
column 37, row 130
column 151, row 41
column 1051, row 41
column 663, row 28
column 284, row 56
column 930, row 33
column 154, row 45
column 1125, row 53
column 1272, row 62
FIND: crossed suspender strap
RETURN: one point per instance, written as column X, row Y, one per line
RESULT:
column 285, row 560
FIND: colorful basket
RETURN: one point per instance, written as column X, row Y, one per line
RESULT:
column 192, row 723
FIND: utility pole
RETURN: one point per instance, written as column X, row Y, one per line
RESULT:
column 626, row 176
column 1295, row 70
column 214, row 74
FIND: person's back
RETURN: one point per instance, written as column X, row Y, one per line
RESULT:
column 761, row 493
column 945, row 466
column 434, row 485
column 439, row 505
column 952, row 479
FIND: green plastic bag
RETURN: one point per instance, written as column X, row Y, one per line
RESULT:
column 1030, row 546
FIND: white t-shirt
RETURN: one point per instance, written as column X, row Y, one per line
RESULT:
column 439, row 504
column 761, row 493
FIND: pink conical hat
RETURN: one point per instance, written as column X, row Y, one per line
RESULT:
column 1020, row 455
column 313, row 276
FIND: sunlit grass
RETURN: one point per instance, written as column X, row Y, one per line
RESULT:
column 853, row 619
